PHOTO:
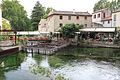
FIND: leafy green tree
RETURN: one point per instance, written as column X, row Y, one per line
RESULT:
column 37, row 14
column 47, row 11
column 15, row 13
column 69, row 30
column 113, row 5
column 117, row 4
column 101, row 5
column 6, row 25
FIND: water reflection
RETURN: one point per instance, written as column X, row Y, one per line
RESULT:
column 9, row 63
column 71, row 63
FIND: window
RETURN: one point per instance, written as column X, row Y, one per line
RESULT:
column 85, row 17
column 98, row 15
column 94, row 16
column 103, row 15
column 60, row 24
column 115, row 17
column 115, row 20
column 77, row 17
column 61, row 17
column 108, row 21
column 85, row 25
column 69, row 17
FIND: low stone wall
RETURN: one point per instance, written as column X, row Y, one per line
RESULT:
column 9, row 51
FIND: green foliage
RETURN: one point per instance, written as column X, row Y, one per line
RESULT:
column 5, row 24
column 102, row 4
column 69, row 30
column 15, row 13
column 40, row 70
column 47, row 11
column 60, row 77
column 55, row 62
column 37, row 14
column 80, row 26
column 2, row 38
column 45, row 72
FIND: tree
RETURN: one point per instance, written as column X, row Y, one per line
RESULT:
column 117, row 4
column 6, row 25
column 15, row 13
column 37, row 14
column 102, row 4
column 47, row 11
column 69, row 30
column 113, row 5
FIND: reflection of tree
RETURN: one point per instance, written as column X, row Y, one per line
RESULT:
column 37, row 58
column 97, row 53
column 55, row 61
column 11, row 62
column 2, row 76
column 46, row 72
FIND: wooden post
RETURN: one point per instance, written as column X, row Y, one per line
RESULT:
column 38, row 51
column 32, row 50
column 18, row 38
column 15, row 37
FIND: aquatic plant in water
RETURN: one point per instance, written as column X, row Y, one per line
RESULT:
column 38, row 70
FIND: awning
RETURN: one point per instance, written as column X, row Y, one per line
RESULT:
column 31, row 33
column 104, row 29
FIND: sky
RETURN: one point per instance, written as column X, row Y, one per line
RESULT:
column 62, row 5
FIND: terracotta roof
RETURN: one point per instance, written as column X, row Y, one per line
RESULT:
column 70, row 13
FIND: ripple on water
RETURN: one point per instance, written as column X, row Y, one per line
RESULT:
column 90, row 70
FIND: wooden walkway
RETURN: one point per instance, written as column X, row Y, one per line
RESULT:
column 44, row 50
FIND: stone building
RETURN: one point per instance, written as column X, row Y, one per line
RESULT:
column 57, row 19
column 116, row 18
column 102, row 18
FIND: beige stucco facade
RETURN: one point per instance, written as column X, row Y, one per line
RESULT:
column 102, row 17
column 54, row 23
column 116, row 19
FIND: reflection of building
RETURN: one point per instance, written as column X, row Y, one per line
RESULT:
column 102, row 17
column 116, row 18
column 57, row 19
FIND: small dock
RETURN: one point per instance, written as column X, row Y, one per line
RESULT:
column 45, row 50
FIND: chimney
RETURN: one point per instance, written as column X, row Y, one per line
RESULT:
column 74, row 11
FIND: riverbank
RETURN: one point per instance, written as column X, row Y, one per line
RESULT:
column 9, row 50
column 8, row 47
column 99, row 45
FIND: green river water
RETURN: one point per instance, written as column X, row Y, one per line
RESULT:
column 70, row 63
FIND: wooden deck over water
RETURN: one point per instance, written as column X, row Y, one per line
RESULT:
column 45, row 50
